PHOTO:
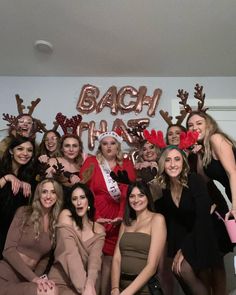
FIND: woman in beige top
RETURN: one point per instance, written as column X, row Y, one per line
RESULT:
column 79, row 245
column 29, row 242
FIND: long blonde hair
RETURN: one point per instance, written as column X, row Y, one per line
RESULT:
column 34, row 212
column 119, row 156
column 163, row 178
column 211, row 128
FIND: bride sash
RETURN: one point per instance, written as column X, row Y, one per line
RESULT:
column 111, row 184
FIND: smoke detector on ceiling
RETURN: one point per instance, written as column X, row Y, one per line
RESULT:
column 43, row 46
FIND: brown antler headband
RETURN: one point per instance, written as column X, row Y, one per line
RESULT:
column 165, row 115
column 38, row 126
column 183, row 95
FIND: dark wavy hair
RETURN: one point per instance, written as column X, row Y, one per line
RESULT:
column 130, row 213
column 182, row 129
column 90, row 197
column 26, row 171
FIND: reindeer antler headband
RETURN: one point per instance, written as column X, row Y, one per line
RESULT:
column 198, row 94
column 183, row 95
column 13, row 120
column 137, row 132
column 187, row 139
column 21, row 107
column 68, row 125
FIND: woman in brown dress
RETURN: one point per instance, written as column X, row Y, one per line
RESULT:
column 140, row 244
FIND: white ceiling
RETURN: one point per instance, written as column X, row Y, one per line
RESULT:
column 161, row 38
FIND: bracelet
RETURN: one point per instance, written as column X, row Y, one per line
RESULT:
column 4, row 178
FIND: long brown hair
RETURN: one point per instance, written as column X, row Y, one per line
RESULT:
column 163, row 178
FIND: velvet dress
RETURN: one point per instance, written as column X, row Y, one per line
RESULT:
column 105, row 205
column 216, row 171
column 189, row 226
column 218, row 199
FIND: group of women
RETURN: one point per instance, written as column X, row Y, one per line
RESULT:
column 79, row 231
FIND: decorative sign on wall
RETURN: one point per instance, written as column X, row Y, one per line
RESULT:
column 127, row 99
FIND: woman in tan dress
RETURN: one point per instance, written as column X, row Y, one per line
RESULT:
column 140, row 244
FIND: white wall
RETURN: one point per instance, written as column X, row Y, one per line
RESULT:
column 60, row 94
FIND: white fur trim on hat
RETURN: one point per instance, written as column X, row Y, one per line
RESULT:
column 111, row 134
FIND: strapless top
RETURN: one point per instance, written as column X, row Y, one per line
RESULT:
column 134, row 248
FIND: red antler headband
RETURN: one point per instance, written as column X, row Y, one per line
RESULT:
column 155, row 137
column 187, row 139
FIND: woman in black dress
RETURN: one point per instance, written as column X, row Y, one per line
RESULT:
column 191, row 238
column 216, row 154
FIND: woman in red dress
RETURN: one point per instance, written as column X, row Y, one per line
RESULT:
column 109, row 195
